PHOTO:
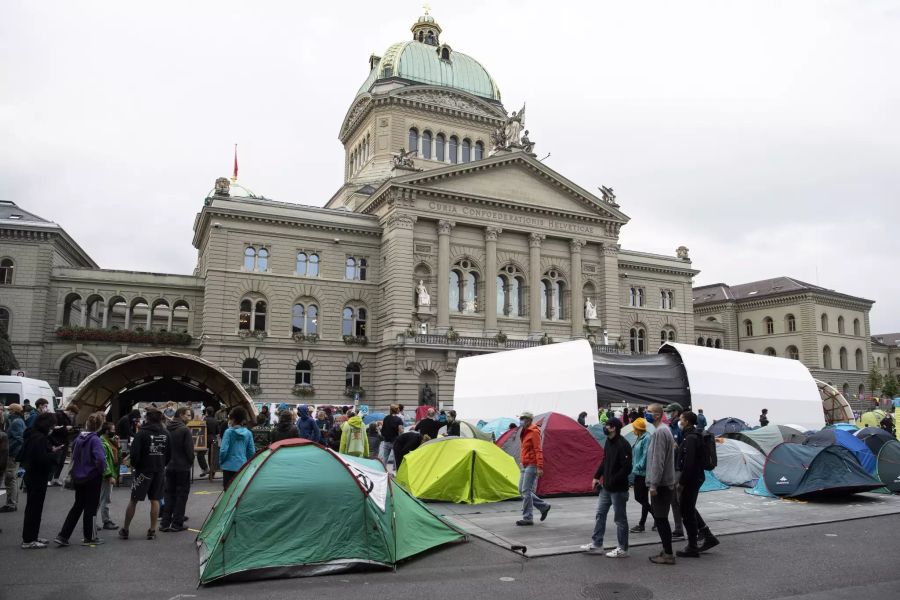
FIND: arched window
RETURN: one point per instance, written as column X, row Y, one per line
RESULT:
column 637, row 337
column 452, row 150
column 250, row 372
column 445, row 54
column 846, row 390
column 553, row 301
column 479, row 150
column 841, row 324
column 262, row 259
column 303, row 373
column 426, row 144
column 72, row 311
column 249, row 258
column 709, row 342
column 790, row 324
column 700, row 341
column 413, row 140
column 7, row 267
column 302, row 263
column 860, row 365
column 439, row 142
column 313, row 267
column 769, row 325
column 824, row 322
column 862, row 390
column 253, row 315
column 666, row 335
column 466, row 150
column 826, row 357
column 464, row 296
column 353, row 321
column 748, row 327
column 718, row 343
column 4, row 320
column 769, row 352
column 793, row 353
column 749, row 351
column 511, row 292
column 353, row 376
column 842, row 356
column 856, row 327
column 636, row 296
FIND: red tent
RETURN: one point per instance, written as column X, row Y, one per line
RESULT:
column 571, row 454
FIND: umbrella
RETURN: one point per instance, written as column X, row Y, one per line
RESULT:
column 372, row 417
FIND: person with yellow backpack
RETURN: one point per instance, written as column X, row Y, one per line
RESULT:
column 354, row 440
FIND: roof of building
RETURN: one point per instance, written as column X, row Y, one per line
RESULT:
column 886, row 339
column 422, row 63
column 776, row 286
column 10, row 211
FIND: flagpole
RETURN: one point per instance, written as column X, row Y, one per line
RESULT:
column 235, row 176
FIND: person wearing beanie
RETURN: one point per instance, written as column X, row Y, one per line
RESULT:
column 639, row 470
column 612, row 479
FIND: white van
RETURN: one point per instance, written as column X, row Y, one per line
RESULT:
column 18, row 389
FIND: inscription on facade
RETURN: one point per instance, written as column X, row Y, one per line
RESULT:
column 495, row 216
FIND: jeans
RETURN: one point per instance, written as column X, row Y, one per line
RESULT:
column 11, row 483
column 384, row 451
column 105, row 497
column 87, row 498
column 527, row 484
column 617, row 500
column 178, row 487
column 659, row 505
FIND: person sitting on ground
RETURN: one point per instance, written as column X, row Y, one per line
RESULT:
column 285, row 429
column 237, row 445
column 452, row 424
column 307, row 427
column 404, row 444
column 150, row 452
column 429, row 425
column 88, row 466
column 39, row 459
column 354, row 440
column 612, row 480
column 178, row 471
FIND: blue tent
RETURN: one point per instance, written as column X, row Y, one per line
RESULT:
column 830, row 436
column 802, row 471
column 760, row 489
column 845, row 427
column 728, row 425
column 372, row 417
column 712, row 483
column 498, row 426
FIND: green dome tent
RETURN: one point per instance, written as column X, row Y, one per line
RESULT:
column 468, row 431
column 298, row 509
column 461, row 470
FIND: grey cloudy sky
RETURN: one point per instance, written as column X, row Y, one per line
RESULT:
column 762, row 134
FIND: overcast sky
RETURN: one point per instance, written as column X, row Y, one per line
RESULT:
column 764, row 135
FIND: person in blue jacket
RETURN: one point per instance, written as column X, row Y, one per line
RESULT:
column 237, row 445
column 639, row 471
column 307, row 426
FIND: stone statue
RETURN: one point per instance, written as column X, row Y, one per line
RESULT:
column 403, row 159
column 608, row 196
column 682, row 253
column 527, row 145
column 424, row 296
column 223, row 187
column 590, row 310
column 426, row 396
column 470, row 306
column 514, row 126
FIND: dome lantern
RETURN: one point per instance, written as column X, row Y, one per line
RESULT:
column 426, row 29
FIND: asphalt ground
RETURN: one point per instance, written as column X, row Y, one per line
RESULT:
column 855, row 559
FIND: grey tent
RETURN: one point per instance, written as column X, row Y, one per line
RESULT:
column 799, row 471
column 738, row 463
column 889, row 465
column 763, row 439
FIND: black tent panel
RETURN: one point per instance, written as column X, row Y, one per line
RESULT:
column 641, row 379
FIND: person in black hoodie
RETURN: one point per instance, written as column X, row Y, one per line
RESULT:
column 612, row 478
column 689, row 460
column 403, row 445
column 178, row 471
column 39, row 460
column 285, row 428
column 150, row 452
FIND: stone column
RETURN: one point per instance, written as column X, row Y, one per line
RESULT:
column 443, row 284
column 610, row 301
column 534, row 289
column 577, row 317
column 397, row 272
column 490, row 279
column 105, row 316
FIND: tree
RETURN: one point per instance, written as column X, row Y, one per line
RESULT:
column 8, row 360
column 890, row 387
column 875, row 380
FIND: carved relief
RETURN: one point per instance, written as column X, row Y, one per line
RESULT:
column 355, row 113
column 575, row 245
column 535, row 240
column 444, row 227
column 492, row 233
column 399, row 221
column 448, row 100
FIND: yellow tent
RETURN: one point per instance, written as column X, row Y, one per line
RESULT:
column 871, row 419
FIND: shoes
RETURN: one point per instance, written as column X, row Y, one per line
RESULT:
column 43, row 541
column 151, row 534
column 679, row 535
column 653, row 528
column 591, row 548
column 636, row 529
column 123, row 534
column 8, row 508
column 110, row 526
column 688, row 552
column 94, row 542
column 185, row 520
column 177, row 528
column 709, row 542
column 55, row 483
column 35, row 545
column 544, row 512
column 165, row 528
column 203, row 474
column 524, row 522
column 617, row 553
column 663, row 559
column 60, row 541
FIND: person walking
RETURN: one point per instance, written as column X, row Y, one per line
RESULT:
column 354, row 440
column 639, row 470
column 673, row 412
column 178, row 472
column 661, row 484
column 15, row 431
column 531, row 458
column 307, row 427
column 150, row 452
column 110, row 474
column 237, row 445
column 764, row 417
column 88, row 466
column 690, row 459
column 285, row 429
column 612, row 480
column 39, row 459
column 391, row 428
column 701, row 421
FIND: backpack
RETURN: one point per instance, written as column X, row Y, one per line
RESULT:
column 708, row 442
column 355, row 445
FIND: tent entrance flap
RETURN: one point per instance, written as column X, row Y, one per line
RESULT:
column 641, row 379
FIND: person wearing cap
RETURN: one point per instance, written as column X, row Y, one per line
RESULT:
column 661, row 483
column 612, row 479
column 673, row 412
column 532, row 459
column 639, row 470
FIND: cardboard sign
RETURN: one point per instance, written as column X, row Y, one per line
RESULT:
column 363, row 409
column 198, row 432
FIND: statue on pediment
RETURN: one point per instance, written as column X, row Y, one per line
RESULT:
column 527, row 145
column 608, row 195
column 223, row 187
column 514, row 126
column 403, row 159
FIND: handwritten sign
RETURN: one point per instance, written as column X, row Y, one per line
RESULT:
column 198, row 432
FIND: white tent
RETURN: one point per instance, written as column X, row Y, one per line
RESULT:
column 552, row 378
column 725, row 383
column 738, row 463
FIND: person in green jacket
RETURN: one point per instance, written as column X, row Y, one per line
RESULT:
column 111, row 447
column 354, row 440
column 639, row 470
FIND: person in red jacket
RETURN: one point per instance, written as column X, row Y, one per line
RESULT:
column 532, row 460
